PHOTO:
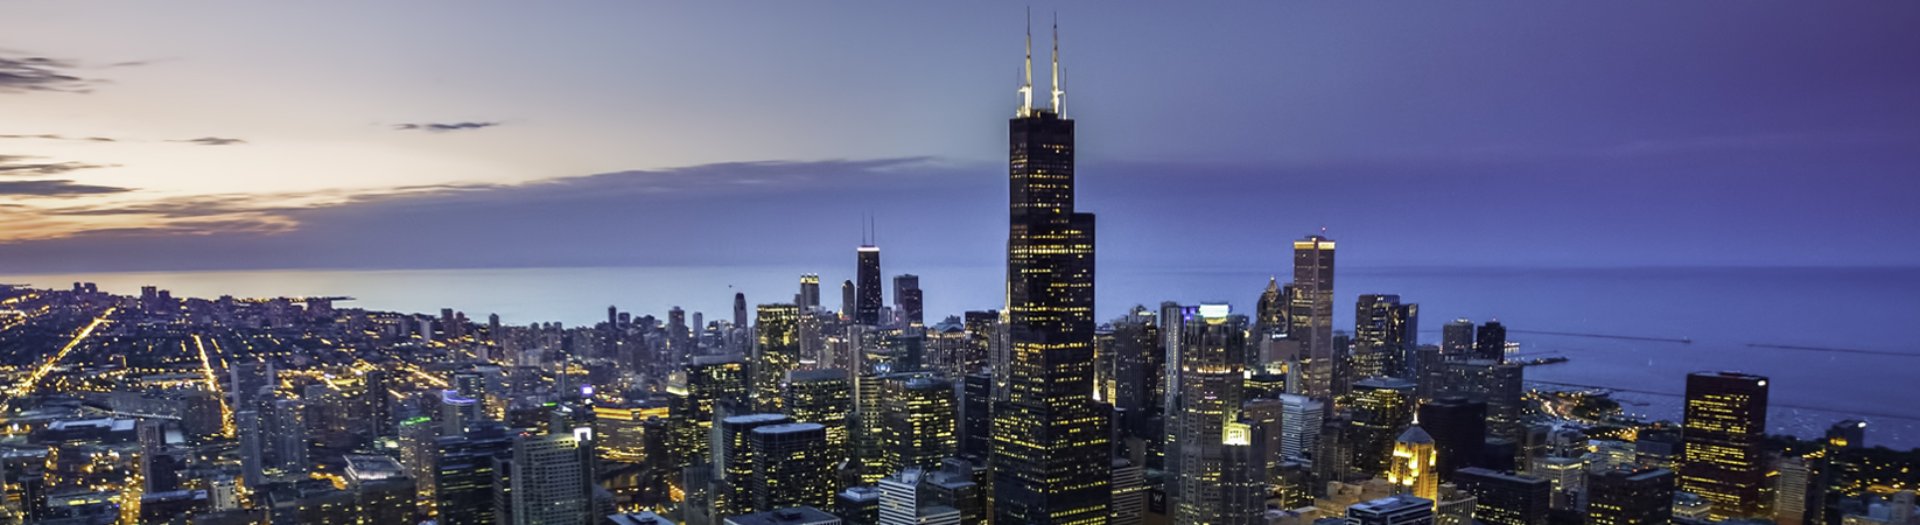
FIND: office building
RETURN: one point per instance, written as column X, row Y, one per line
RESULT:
column 793, row 466
column 1725, row 425
column 548, row 480
column 735, row 460
column 809, row 297
column 1497, row 384
column 868, row 298
column 919, row 425
column 1456, row 339
column 1385, row 335
column 463, row 477
column 1382, row 411
column 908, row 301
column 1211, row 477
column 1454, row 506
column 1300, row 422
column 824, row 397
column 776, row 351
column 1051, row 456
column 716, row 387
column 1506, row 499
column 382, row 489
column 1630, row 497
column 1399, row 509
column 858, row 505
column 1310, row 319
column 1459, row 429
column 1413, row 464
column 976, row 416
column 1490, row 342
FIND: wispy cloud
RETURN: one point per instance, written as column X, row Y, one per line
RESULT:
column 44, row 136
column 19, row 165
column 436, row 127
column 53, row 188
column 212, row 141
column 22, row 75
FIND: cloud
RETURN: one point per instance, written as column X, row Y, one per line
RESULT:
column 13, row 165
column 442, row 128
column 212, row 141
column 21, row 75
column 53, row 188
column 57, row 137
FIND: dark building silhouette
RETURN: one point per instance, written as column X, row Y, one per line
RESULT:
column 1459, row 429
column 1506, row 499
column 1725, row 424
column 1630, row 497
column 1490, row 342
column 907, row 299
column 1385, row 333
column 867, row 291
column 1456, row 339
column 1051, row 456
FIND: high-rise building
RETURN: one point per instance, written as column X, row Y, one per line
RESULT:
column 1413, row 464
column 809, row 297
column 849, row 301
column 976, row 416
column 1310, row 318
column 1382, row 411
column 1725, row 424
column 384, row 492
column 1490, row 342
column 1210, row 478
column 1630, row 497
column 1459, row 430
column 739, row 310
column 901, row 504
column 1270, row 327
column 1051, row 458
column 1456, row 339
column 1497, row 384
column 793, row 466
column 547, row 480
column 463, row 475
column 1794, row 488
column 1300, row 423
column 253, row 462
column 920, row 422
column 716, row 387
column 1129, row 493
column 1385, row 334
column 908, row 301
column 824, row 397
column 735, row 461
column 1506, row 499
column 776, row 351
column 288, row 437
column 1139, row 364
column 679, row 337
column 1399, row 509
column 982, row 327
column 867, row 310
column 1454, row 506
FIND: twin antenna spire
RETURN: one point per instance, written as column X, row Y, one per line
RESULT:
column 869, row 231
column 1026, row 89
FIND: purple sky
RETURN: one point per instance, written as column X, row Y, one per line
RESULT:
column 469, row 134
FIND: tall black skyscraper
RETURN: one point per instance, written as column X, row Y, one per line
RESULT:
column 1490, row 342
column 1051, row 458
column 1459, row 429
column 868, row 292
column 907, row 299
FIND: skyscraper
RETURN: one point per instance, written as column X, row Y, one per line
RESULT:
column 1459, row 430
column 1456, row 339
column 735, row 460
column 1385, row 333
column 1300, row 421
column 824, row 397
column 776, row 351
column 920, row 425
column 1413, row 463
column 809, row 297
column 1310, row 318
column 1490, row 342
column 1208, row 479
column 1630, row 497
column 1270, row 327
column 547, row 480
column 849, row 307
column 1506, row 499
column 794, row 466
column 1052, row 463
column 463, row 476
column 869, row 293
column 1394, row 510
column 1725, row 423
column 1382, row 410
column 739, row 310
column 907, row 299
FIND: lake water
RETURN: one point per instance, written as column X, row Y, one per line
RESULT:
column 1722, row 310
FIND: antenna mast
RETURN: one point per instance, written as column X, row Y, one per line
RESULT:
column 1026, row 90
column 1057, row 92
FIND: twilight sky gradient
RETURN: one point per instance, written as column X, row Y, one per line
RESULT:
column 138, row 135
